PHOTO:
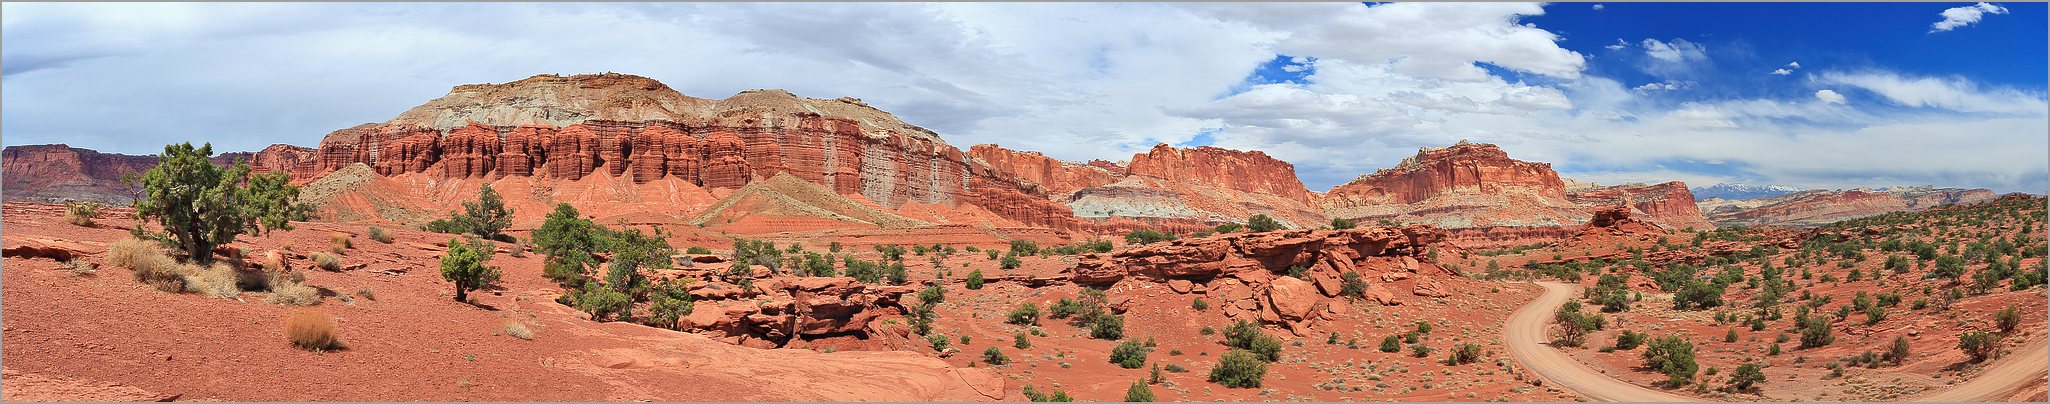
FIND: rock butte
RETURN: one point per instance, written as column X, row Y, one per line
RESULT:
column 616, row 126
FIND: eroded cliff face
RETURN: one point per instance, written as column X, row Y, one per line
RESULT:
column 1167, row 186
column 632, row 127
column 1818, row 207
column 1669, row 205
column 1060, row 179
column 1463, row 185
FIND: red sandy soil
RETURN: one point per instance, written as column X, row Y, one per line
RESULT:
column 412, row 342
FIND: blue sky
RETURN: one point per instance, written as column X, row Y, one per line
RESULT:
column 1949, row 94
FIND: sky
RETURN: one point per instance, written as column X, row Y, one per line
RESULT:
column 1811, row 95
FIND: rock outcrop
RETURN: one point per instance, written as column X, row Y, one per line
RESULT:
column 628, row 126
column 1060, row 179
column 1177, row 187
column 1818, row 207
column 1669, row 205
column 1463, row 185
column 60, row 173
column 1248, row 273
column 778, row 310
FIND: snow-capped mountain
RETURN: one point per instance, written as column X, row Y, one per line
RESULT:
column 1737, row 192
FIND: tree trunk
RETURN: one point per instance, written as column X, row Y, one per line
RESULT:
column 459, row 293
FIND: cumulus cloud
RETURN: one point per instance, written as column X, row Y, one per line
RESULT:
column 1667, row 85
column 1599, row 6
column 1795, row 65
column 1960, row 17
column 1782, row 72
column 1828, row 96
column 1619, row 45
column 1677, row 51
column 1955, row 94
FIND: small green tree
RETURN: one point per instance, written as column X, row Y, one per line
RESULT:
column 1351, row 285
column 633, row 250
column 1026, row 314
column 2007, row 319
column 201, row 205
column 1262, row 223
column 1146, row 236
column 567, row 240
column 487, row 216
column 1391, row 344
column 1010, row 261
column 669, row 301
column 1816, row 334
column 1109, row 327
column 464, row 265
column 1139, row 393
column 994, row 356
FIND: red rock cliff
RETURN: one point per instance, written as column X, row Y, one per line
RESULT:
column 1244, row 171
column 1669, row 205
column 1059, row 178
column 57, row 173
column 1463, row 185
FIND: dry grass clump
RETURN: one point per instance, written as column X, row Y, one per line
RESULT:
column 340, row 241
column 294, row 294
column 81, row 268
column 81, row 213
column 327, row 261
column 151, row 266
column 312, row 329
column 517, row 330
column 380, row 235
column 219, row 280
column 367, row 293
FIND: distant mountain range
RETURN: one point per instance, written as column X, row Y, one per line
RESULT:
column 1739, row 192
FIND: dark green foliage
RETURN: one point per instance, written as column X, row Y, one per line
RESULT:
column 1228, row 227
column 2007, row 319
column 1139, row 393
column 1238, row 369
column 1065, row 308
column 1146, row 236
column 932, row 294
column 1108, row 327
column 1980, row 345
column 1672, row 356
column 1897, row 352
column 897, row 274
column 1010, row 261
column 1698, row 295
column 1341, row 224
column 1025, row 314
column 920, row 318
column 1391, row 344
column 1262, row 223
column 1038, row 397
column 1129, row 355
column 891, row 252
column 1464, row 354
column 632, row 251
column 1199, row 304
column 1746, row 377
column 1420, row 350
column 1019, row 341
column 1611, row 293
column 200, row 205
column 995, row 356
column 667, row 301
column 487, row 216
column 1024, row 247
column 601, row 302
column 1351, row 285
column 1628, row 340
column 464, row 265
column 1816, row 334
column 975, row 279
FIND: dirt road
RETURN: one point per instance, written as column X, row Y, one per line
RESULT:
column 1526, row 335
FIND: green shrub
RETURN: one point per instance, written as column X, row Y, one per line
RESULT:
column 1628, row 340
column 1129, row 355
column 975, row 280
column 1816, row 334
column 1674, row 357
column 1010, row 261
column 1019, row 341
column 1262, row 223
column 1139, row 393
column 1109, row 327
column 1746, row 377
column 995, row 356
column 1341, row 224
column 1238, row 369
column 1979, row 344
column 1025, row 314
column 1464, row 354
column 1200, row 305
column 2007, row 319
column 1146, row 236
column 1391, row 344
column 81, row 213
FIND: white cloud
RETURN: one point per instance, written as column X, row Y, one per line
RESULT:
column 1677, row 51
column 1828, row 96
column 1782, row 72
column 1795, row 65
column 1667, row 85
column 1599, row 6
column 1953, row 94
column 1619, row 45
column 1959, row 17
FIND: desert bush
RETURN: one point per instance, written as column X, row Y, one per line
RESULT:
column 367, row 293
column 1146, row 236
column 1109, row 327
column 1199, row 304
column 1129, row 355
column 464, row 265
column 1341, row 224
column 1898, row 351
column 517, row 330
column 1464, row 354
column 151, row 266
column 1980, row 345
column 293, row 294
column 1628, row 340
column 200, row 205
column 1746, row 377
column 2007, row 319
column 1025, row 314
column 1816, row 334
column 1420, row 350
column 338, row 241
column 994, row 356
column 1238, row 369
column 81, row 213
column 1391, row 344
column 975, row 280
column 312, row 330
column 1019, row 341
column 1010, row 261
column 326, row 261
column 1674, row 357
column 1262, row 223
